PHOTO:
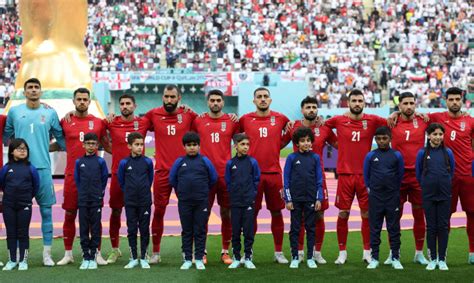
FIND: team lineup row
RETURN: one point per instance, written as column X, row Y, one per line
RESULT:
column 268, row 131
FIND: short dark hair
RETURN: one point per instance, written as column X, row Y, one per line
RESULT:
column 454, row 91
column 91, row 137
column 383, row 131
column 309, row 100
column 405, row 94
column 172, row 87
column 133, row 136
column 33, row 81
column 355, row 92
column 82, row 90
column 14, row 144
column 191, row 137
column 433, row 127
column 129, row 96
column 215, row 92
column 240, row 137
column 259, row 89
column 302, row 132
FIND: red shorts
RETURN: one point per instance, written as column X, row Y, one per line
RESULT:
column 349, row 186
column 410, row 189
column 70, row 193
column 325, row 202
column 462, row 187
column 116, row 195
column 219, row 189
column 161, row 188
column 270, row 184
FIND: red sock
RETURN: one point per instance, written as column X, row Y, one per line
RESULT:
column 301, row 237
column 365, row 230
column 69, row 230
column 320, row 230
column 114, row 230
column 342, row 231
column 278, row 228
column 470, row 230
column 226, row 231
column 157, row 227
column 419, row 228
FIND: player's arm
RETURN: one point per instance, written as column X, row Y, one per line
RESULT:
column 286, row 137
column 367, row 169
column 35, row 179
column 332, row 139
column 173, row 178
column 149, row 117
column 121, row 173
column 57, row 131
column 419, row 164
column 319, row 178
column 211, row 171
column 145, row 124
column 151, row 170
column 104, row 175
column 256, row 173
column 287, row 178
column 331, row 123
column 401, row 167
column 287, row 125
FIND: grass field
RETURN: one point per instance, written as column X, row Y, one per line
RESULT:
column 267, row 271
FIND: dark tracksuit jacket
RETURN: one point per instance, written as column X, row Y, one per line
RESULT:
column 383, row 174
column 192, row 178
column 435, row 180
column 135, row 175
column 303, row 181
column 242, row 176
column 90, row 175
column 20, row 183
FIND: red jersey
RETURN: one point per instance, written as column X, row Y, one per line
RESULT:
column 74, row 132
column 169, row 131
column 408, row 137
column 3, row 120
column 355, row 140
column 119, row 130
column 216, row 138
column 265, row 135
column 458, row 136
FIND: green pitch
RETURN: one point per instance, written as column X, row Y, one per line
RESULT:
column 267, row 271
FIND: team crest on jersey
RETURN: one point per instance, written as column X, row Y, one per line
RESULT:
column 364, row 124
column 272, row 120
column 180, row 118
column 223, row 126
column 415, row 123
column 42, row 119
column 135, row 125
column 91, row 125
column 462, row 125
column 317, row 132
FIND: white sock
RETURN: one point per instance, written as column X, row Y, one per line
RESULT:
column 224, row 251
column 278, row 253
column 316, row 253
column 68, row 253
column 301, row 251
column 417, row 252
column 471, row 254
column 46, row 250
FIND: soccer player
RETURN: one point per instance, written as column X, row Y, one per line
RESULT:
column 216, row 130
column 33, row 122
column 408, row 137
column 355, row 133
column 81, row 122
column 119, row 129
column 322, row 136
column 264, row 128
column 459, row 138
column 169, row 123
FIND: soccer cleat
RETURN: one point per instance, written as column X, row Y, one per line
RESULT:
column 10, row 265
column 155, row 258
column 114, row 255
column 99, row 259
column 294, row 263
column 144, row 264
column 1, row 263
column 301, row 256
column 388, row 261
column 442, row 265
column 132, row 264
column 23, row 265
column 318, row 257
column 249, row 264
column 226, row 259
column 280, row 258
column 67, row 259
column 92, row 264
column 367, row 256
column 342, row 258
column 47, row 260
column 311, row 263
column 470, row 259
column 186, row 265
column 235, row 264
column 200, row 264
column 420, row 258
column 84, row 265
column 396, row 264
column 373, row 264
column 431, row 265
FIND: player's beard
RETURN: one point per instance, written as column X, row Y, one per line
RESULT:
column 356, row 112
column 310, row 117
column 170, row 107
column 262, row 109
column 215, row 109
column 454, row 109
column 79, row 110
column 126, row 113
column 408, row 113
